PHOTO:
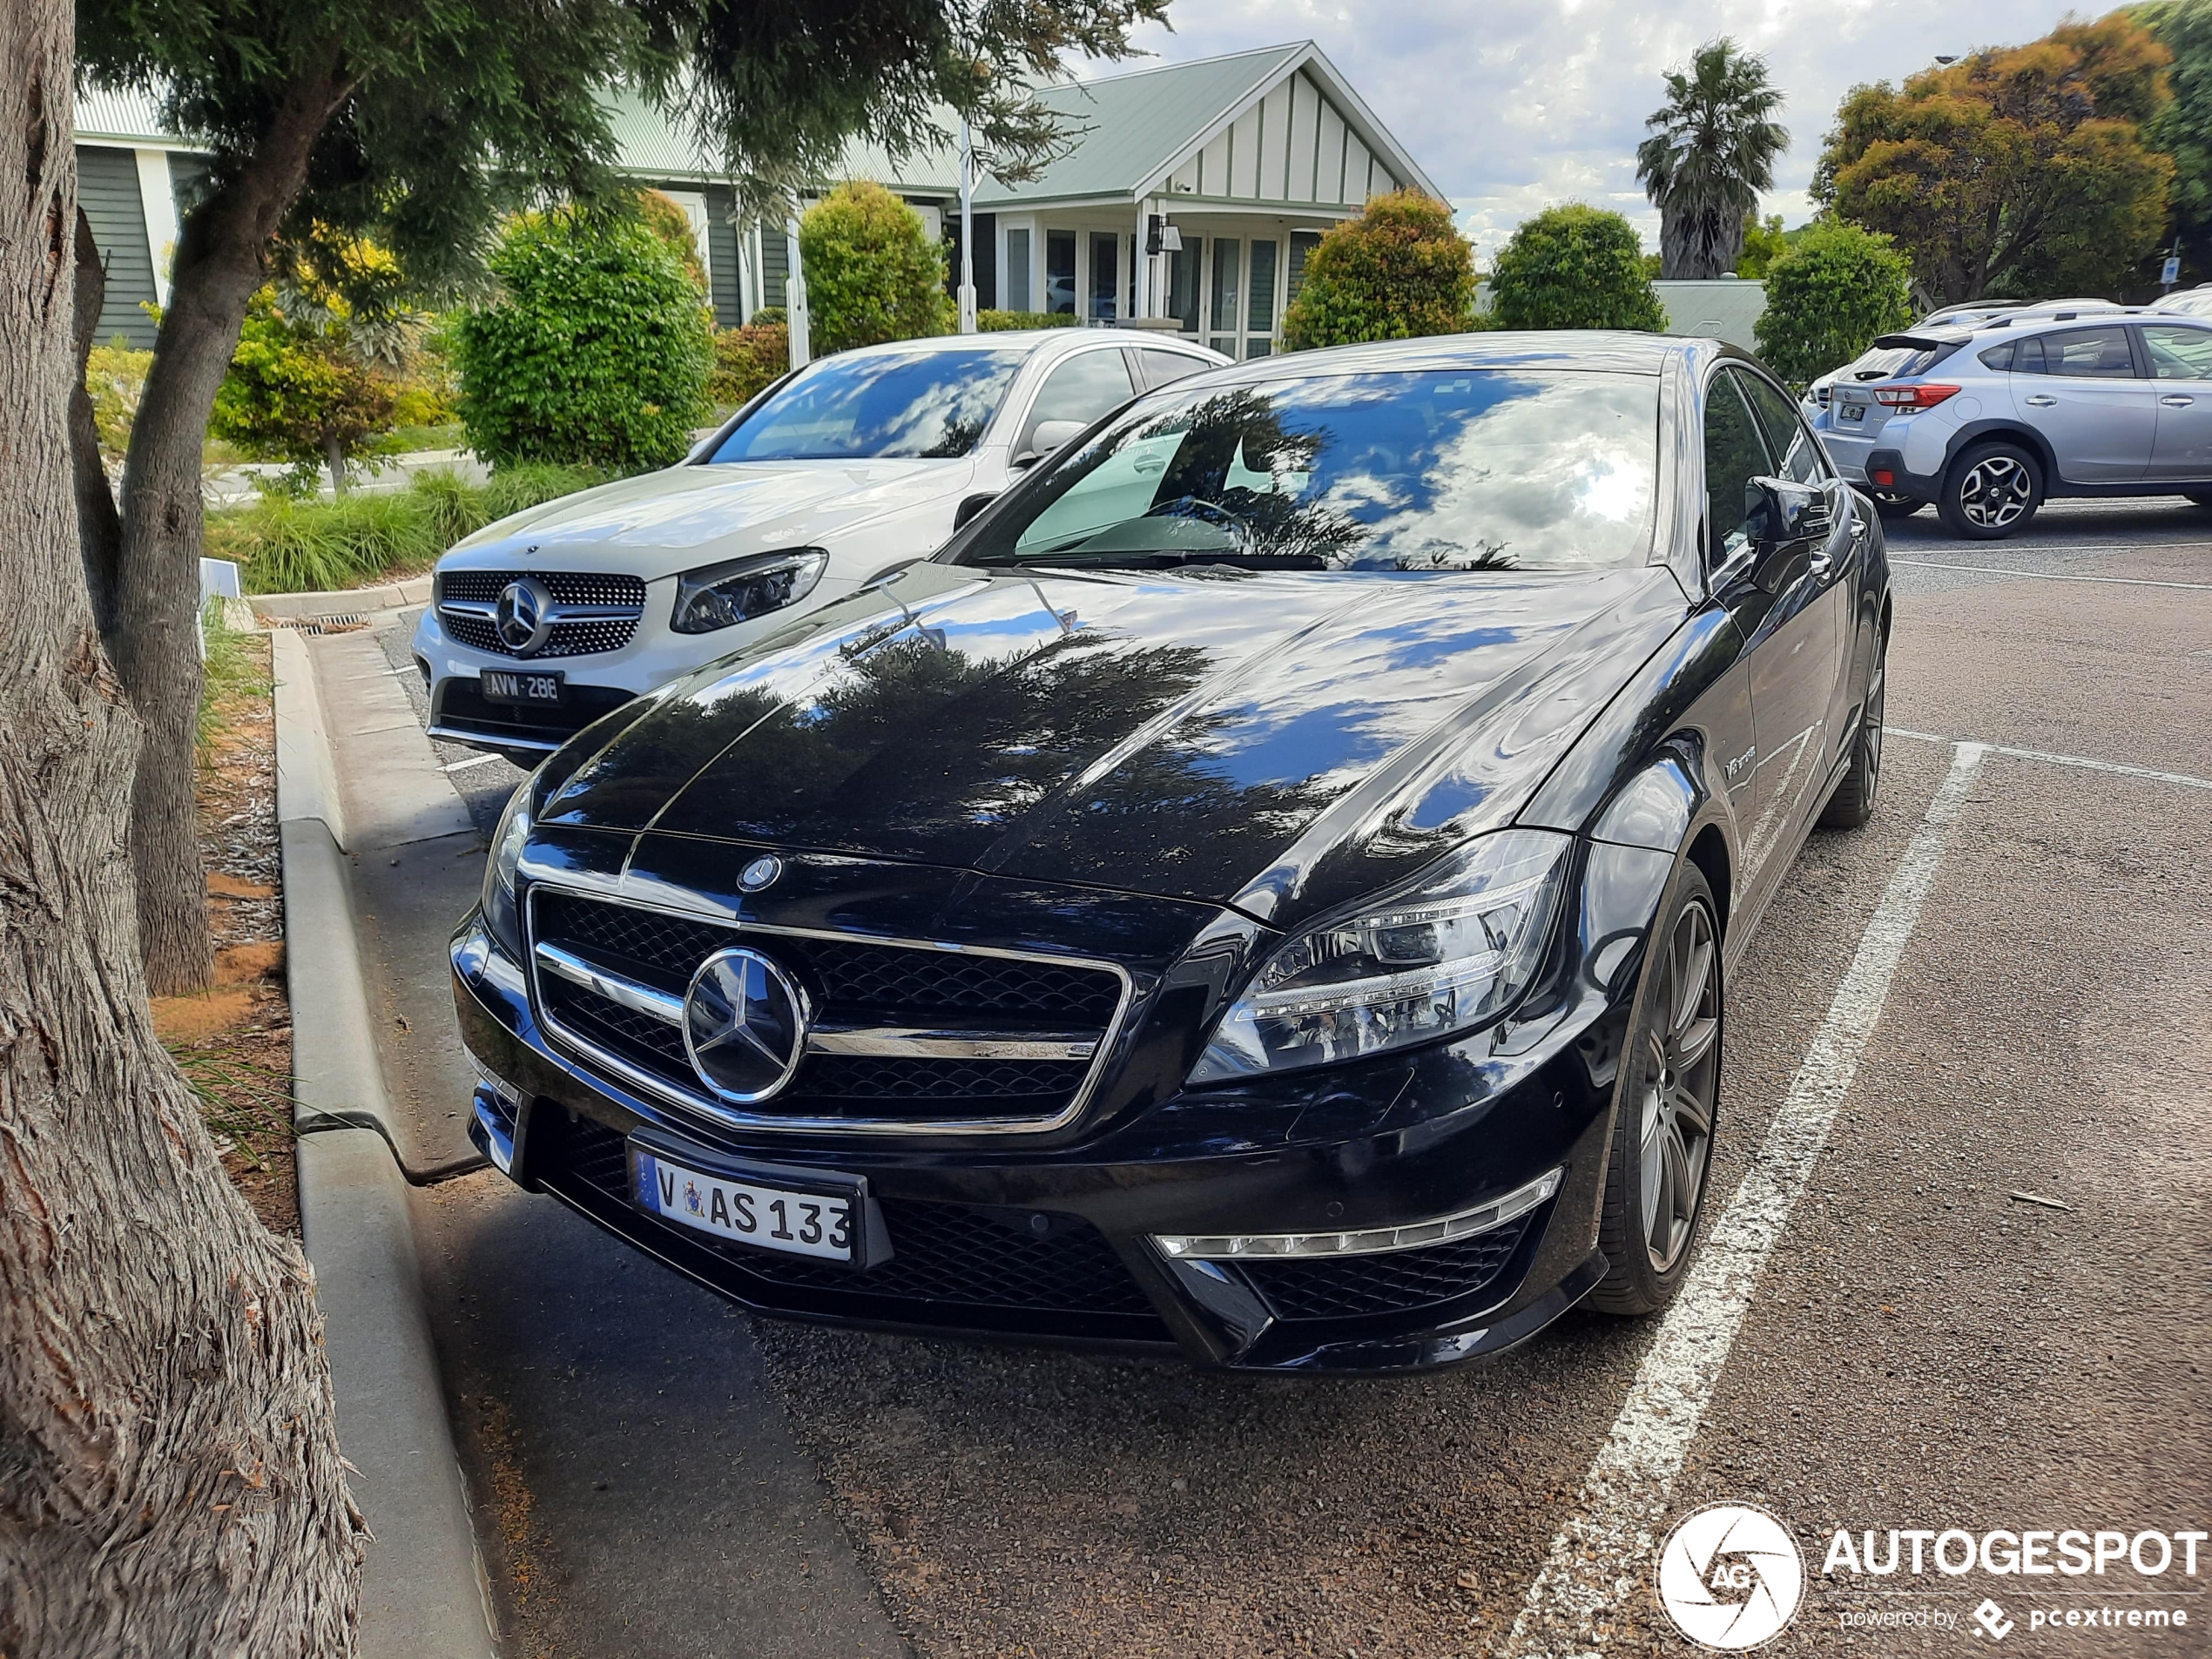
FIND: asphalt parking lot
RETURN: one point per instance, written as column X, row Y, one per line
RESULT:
column 1923, row 1346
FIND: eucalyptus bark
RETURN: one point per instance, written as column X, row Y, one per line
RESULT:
column 169, row 1477
column 221, row 260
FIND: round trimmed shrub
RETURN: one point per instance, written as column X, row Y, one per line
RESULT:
column 1828, row 296
column 1400, row 271
column 873, row 273
column 596, row 352
column 1574, row 267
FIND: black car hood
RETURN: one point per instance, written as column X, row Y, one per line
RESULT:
column 1277, row 742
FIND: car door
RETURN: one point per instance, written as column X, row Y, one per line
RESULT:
column 2079, row 388
column 2179, row 358
column 1734, row 455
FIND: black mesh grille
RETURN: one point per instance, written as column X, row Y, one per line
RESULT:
column 941, row 1254
column 1334, row 1287
column 567, row 587
column 588, row 639
column 850, row 983
column 460, row 706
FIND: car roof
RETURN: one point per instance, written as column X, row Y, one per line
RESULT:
column 1617, row 350
column 1028, row 340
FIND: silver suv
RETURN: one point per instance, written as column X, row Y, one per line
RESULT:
column 1988, row 423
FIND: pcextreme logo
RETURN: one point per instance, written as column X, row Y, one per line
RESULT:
column 1731, row 1577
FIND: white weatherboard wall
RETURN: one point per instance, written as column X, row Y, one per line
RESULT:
column 1290, row 147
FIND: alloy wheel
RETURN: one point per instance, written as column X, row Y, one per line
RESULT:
column 1679, row 1070
column 1995, row 493
column 1871, row 723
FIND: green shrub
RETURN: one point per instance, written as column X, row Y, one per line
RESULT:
column 1398, row 271
column 115, row 376
column 1828, row 297
column 673, row 226
column 1574, row 267
column 597, row 353
column 746, row 359
column 872, row 271
column 768, row 315
column 306, row 546
column 297, row 392
column 995, row 321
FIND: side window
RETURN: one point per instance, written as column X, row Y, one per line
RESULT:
column 1735, row 453
column 2094, row 354
column 1801, row 461
column 1998, row 357
column 1082, row 388
column 2178, row 353
column 1161, row 366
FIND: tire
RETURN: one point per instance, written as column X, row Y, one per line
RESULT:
column 1853, row 802
column 1665, row 1101
column 1992, row 491
column 1890, row 504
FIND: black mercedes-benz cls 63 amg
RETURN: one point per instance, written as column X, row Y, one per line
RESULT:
column 1265, row 888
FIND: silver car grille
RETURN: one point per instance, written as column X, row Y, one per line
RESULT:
column 593, row 612
column 909, row 1036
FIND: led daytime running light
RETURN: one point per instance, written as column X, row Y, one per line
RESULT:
column 1373, row 1241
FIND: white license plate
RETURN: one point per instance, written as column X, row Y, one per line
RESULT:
column 747, row 1212
column 1853, row 412
column 502, row 685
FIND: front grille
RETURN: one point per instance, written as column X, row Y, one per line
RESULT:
column 1337, row 1287
column 950, row 1264
column 579, row 636
column 850, row 983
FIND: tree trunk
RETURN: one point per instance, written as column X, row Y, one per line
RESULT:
column 98, row 528
column 333, row 452
column 155, row 640
column 169, row 1477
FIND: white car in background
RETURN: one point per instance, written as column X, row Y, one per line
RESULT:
column 544, row 622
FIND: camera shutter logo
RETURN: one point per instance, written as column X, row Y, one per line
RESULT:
column 1731, row 1577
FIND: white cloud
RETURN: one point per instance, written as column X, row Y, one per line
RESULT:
column 1512, row 105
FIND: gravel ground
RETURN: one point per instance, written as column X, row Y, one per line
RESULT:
column 1924, row 1351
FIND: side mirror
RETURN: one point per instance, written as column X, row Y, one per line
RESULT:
column 1047, row 436
column 1777, row 513
column 968, row 509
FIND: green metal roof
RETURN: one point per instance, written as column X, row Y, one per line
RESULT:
column 1125, row 128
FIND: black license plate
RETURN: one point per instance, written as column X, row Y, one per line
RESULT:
column 539, row 689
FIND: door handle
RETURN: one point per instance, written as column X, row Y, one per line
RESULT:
column 2176, row 401
column 2041, row 401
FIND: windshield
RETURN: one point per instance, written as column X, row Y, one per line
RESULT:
column 1419, row 470
column 917, row 405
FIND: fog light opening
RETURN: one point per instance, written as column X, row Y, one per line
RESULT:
column 1417, row 1235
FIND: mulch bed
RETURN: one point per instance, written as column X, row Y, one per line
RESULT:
column 235, row 1042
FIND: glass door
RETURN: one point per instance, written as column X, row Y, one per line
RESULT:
column 1222, row 315
column 1260, row 308
column 1105, row 276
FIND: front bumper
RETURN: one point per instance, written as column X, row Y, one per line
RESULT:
column 1050, row 1237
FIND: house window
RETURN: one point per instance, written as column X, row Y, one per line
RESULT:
column 1259, row 309
column 1228, row 259
column 1302, row 245
column 1015, row 295
column 1105, row 275
column 1060, row 273
column 1182, row 288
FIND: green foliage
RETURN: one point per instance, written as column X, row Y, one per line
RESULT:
column 296, row 392
column 1711, row 152
column 227, row 671
column 745, row 360
column 116, row 377
column 1574, row 267
column 2183, row 128
column 673, row 226
column 307, row 546
column 997, row 321
column 1400, row 271
column 768, row 314
column 596, row 352
column 872, row 271
column 2021, row 170
column 1762, row 245
column 1828, row 296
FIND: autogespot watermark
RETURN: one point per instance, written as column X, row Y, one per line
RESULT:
column 1732, row 1577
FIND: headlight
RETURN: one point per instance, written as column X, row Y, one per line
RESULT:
column 722, row 595
column 500, row 915
column 1442, row 954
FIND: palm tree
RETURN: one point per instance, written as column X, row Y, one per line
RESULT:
column 1711, row 152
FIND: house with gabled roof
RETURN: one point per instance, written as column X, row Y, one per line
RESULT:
column 1186, row 197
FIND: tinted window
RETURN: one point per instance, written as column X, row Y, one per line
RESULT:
column 2178, row 353
column 1082, row 388
column 1890, row 363
column 2094, row 353
column 1998, row 357
column 912, row 404
column 1735, row 453
column 1414, row 470
column 1162, row 366
column 1785, row 435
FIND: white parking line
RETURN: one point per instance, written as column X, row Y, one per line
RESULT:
column 1598, row 1557
column 2051, row 576
column 2083, row 761
column 473, row 761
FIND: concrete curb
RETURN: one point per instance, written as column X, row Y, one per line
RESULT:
column 347, row 601
column 424, row 1595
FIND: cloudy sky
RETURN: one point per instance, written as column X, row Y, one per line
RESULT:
column 1514, row 104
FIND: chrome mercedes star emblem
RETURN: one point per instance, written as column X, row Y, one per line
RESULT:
column 760, row 873
column 745, row 1025
column 524, row 616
